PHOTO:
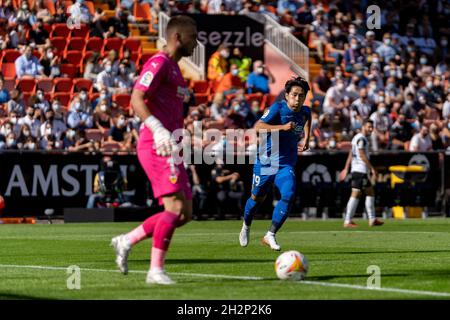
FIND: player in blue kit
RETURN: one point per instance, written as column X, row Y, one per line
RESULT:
column 284, row 124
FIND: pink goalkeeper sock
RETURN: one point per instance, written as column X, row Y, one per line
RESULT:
column 158, row 257
column 145, row 230
column 164, row 230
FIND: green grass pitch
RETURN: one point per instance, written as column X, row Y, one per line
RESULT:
column 207, row 262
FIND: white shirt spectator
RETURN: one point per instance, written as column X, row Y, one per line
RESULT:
column 446, row 109
column 419, row 143
column 33, row 123
column 78, row 10
column 362, row 108
column 58, row 128
column 381, row 122
column 75, row 118
column 334, row 94
column 104, row 79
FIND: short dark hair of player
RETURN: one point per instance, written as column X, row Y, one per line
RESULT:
column 180, row 22
column 296, row 82
column 366, row 121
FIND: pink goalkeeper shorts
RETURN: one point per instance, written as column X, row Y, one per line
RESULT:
column 166, row 178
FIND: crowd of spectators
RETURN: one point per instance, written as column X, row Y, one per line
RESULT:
column 396, row 75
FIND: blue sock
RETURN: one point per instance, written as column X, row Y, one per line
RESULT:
column 250, row 208
column 280, row 213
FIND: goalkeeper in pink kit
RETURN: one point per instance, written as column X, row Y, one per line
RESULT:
column 157, row 99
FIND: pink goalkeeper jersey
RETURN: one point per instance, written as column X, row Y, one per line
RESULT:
column 164, row 88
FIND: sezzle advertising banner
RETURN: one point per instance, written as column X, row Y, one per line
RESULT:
column 31, row 182
column 234, row 30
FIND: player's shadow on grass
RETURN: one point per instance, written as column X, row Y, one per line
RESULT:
column 413, row 274
column 206, row 261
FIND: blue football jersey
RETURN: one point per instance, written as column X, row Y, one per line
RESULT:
column 286, row 154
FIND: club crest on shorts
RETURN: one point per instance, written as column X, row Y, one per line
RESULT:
column 174, row 172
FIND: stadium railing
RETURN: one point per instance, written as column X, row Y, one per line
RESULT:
column 286, row 44
column 197, row 60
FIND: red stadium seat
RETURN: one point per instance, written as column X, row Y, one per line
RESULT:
column 48, row 27
column 95, row 44
column 37, row 54
column 133, row 44
column 76, row 43
column 113, row 44
column 60, row 30
column 63, row 85
column 74, row 57
column 94, row 134
column 69, row 70
column 82, row 32
column 8, row 70
column 82, row 83
column 94, row 96
column 26, row 85
column 45, row 85
column 63, row 97
column 145, row 57
column 201, row 98
column 60, row 44
column 254, row 96
column 10, row 55
column 200, row 86
column 26, row 97
column 111, row 146
column 122, row 100
column 9, row 83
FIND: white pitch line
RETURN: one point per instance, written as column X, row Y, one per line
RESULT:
column 222, row 276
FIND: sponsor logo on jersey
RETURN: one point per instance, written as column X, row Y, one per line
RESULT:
column 146, row 79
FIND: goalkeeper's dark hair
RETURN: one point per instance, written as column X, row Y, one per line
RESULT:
column 297, row 82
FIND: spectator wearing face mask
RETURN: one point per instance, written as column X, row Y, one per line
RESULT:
column 11, row 141
column 122, row 81
column 391, row 89
column 218, row 64
column 58, row 127
column 32, row 122
column 105, row 79
column 79, row 119
column 39, row 34
column 16, row 103
column 242, row 62
column 446, row 107
column 381, row 125
column 254, row 114
column 40, row 101
column 259, row 79
column 28, row 65
column 25, row 138
column 362, row 105
column 13, row 118
column 119, row 132
column 386, row 50
column 102, row 117
column 93, row 67
column 51, row 63
column 230, row 82
column 353, row 55
column 82, row 100
column 69, row 139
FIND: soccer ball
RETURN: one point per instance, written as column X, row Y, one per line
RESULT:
column 291, row 265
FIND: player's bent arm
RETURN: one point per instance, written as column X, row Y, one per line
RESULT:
column 363, row 157
column 349, row 160
column 261, row 125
